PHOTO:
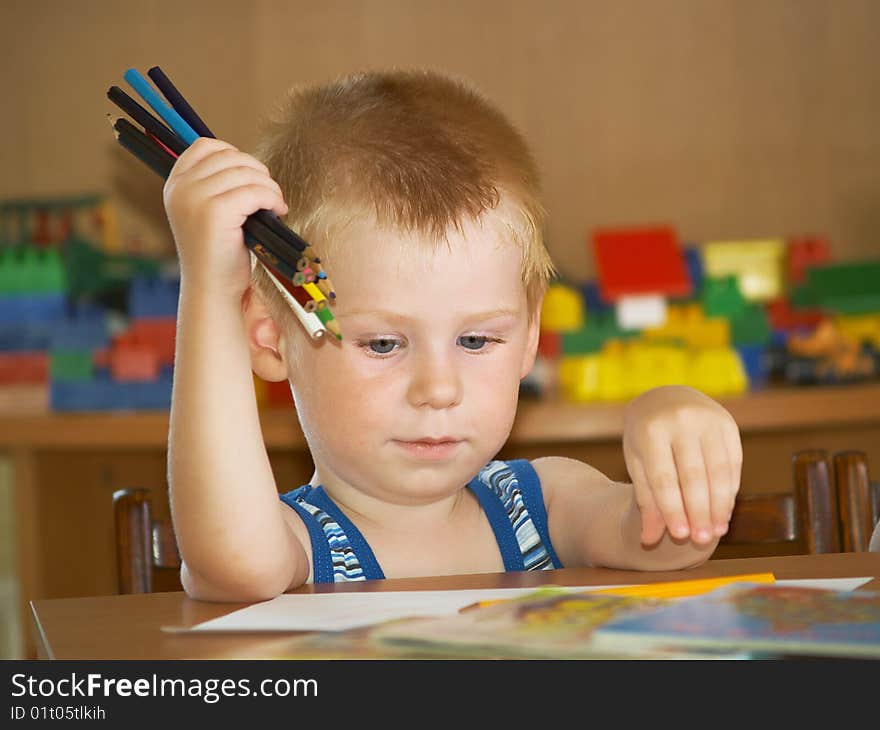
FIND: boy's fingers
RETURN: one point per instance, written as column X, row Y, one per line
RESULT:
column 217, row 160
column 718, row 471
column 230, row 178
column 653, row 525
column 250, row 198
column 662, row 479
column 197, row 151
column 733, row 446
column 691, row 471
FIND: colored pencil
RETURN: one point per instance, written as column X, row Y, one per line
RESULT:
column 180, row 105
column 171, row 117
column 187, row 113
column 146, row 120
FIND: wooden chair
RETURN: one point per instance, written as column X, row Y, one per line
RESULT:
column 147, row 558
column 832, row 508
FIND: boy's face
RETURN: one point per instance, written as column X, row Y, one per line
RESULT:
column 422, row 391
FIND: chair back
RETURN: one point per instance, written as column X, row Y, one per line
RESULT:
column 146, row 548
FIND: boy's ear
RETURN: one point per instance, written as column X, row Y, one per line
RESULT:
column 264, row 338
column 532, row 335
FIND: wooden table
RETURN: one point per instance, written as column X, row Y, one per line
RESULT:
column 130, row 627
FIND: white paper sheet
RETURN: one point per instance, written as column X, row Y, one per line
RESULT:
column 340, row 611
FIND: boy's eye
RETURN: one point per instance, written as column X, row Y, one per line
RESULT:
column 382, row 346
column 474, row 342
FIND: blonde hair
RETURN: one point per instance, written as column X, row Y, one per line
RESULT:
column 417, row 150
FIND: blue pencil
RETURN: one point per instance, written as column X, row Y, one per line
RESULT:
column 171, row 117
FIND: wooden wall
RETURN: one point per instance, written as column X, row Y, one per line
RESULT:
column 726, row 118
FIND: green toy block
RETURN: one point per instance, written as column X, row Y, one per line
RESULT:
column 71, row 365
column 29, row 270
column 751, row 326
column 846, row 288
column 90, row 271
column 721, row 297
column 599, row 328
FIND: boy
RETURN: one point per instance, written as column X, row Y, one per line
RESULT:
column 422, row 201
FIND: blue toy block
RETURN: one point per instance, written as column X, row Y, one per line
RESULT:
column 45, row 307
column 154, row 296
column 694, row 263
column 85, row 329
column 25, row 337
column 756, row 363
column 109, row 395
column 592, row 300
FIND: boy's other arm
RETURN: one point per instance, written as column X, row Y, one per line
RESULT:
column 595, row 521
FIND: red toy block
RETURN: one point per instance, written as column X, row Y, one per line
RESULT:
column 784, row 319
column 130, row 362
column 24, row 367
column 550, row 344
column 803, row 252
column 640, row 261
column 156, row 333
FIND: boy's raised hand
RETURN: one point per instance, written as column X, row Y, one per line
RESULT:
column 213, row 187
column 684, row 457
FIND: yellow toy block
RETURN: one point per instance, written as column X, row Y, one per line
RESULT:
column 718, row 371
column 562, row 309
column 578, row 377
column 861, row 328
column 687, row 324
column 650, row 365
column 758, row 265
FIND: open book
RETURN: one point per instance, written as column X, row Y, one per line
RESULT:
column 771, row 619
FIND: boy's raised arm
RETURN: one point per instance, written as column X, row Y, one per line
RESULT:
column 234, row 541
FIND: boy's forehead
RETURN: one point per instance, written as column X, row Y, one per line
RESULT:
column 377, row 265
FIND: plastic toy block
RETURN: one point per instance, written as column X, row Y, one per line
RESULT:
column 578, row 377
column 640, row 261
column 721, row 297
column 86, row 329
column 804, row 252
column 862, row 328
column 597, row 330
column 17, row 308
column 593, row 301
column 26, row 337
column 845, row 288
column 28, row 270
column 562, row 309
column 153, row 297
column 156, row 334
column 751, row 327
column 686, row 324
column 549, row 344
column 718, row 371
column 130, row 362
column 635, row 313
column 783, row 317
column 93, row 272
column 72, row 365
column 757, row 265
column 693, row 261
column 650, row 365
column 24, row 367
column 107, row 395
column 756, row 363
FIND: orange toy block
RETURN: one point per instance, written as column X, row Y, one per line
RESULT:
column 24, row 367
column 132, row 362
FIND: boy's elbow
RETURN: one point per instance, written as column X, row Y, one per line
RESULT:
column 237, row 587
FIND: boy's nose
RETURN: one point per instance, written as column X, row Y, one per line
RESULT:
column 434, row 382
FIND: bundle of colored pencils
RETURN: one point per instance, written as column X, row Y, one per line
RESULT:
column 291, row 262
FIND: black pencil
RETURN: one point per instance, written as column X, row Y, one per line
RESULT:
column 146, row 120
column 268, row 247
column 178, row 103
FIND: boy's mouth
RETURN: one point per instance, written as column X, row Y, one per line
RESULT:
column 430, row 448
